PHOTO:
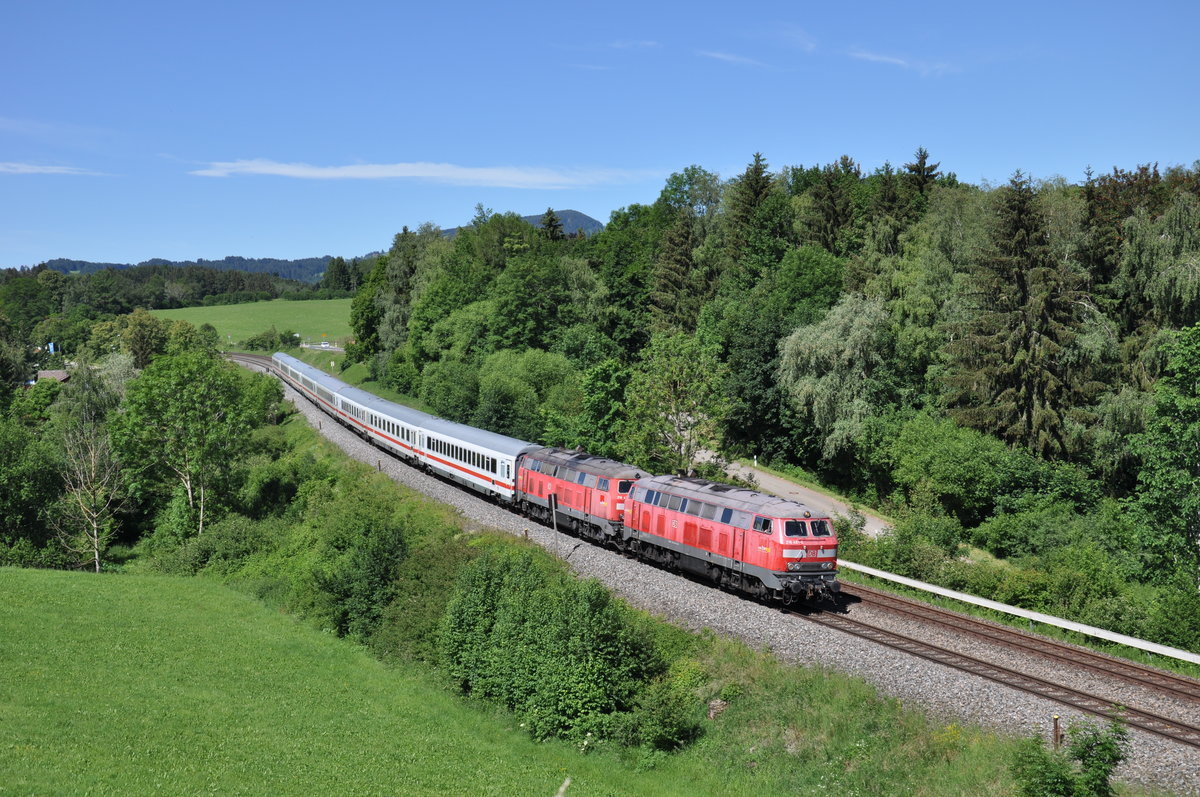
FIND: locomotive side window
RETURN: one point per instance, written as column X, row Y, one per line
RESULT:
column 820, row 528
column 602, row 484
column 624, row 486
column 762, row 524
column 726, row 515
column 795, row 528
column 673, row 502
column 580, row 477
column 707, row 511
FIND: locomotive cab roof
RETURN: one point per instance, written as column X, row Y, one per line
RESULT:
column 726, row 495
column 588, row 463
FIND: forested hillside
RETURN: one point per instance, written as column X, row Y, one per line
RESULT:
column 307, row 269
column 1005, row 369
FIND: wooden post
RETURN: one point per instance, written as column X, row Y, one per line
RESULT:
column 1057, row 733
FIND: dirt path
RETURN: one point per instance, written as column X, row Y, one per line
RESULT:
column 821, row 503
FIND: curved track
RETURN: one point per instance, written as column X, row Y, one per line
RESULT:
column 1178, row 686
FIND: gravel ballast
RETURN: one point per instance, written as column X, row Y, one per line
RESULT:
column 947, row 696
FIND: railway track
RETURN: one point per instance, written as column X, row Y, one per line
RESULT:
column 1178, row 687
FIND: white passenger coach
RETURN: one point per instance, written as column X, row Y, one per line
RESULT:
column 482, row 460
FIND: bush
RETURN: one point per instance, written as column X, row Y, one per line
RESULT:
column 559, row 653
column 1083, row 769
column 451, row 389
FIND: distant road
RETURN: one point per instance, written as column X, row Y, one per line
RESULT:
column 821, row 503
column 319, row 347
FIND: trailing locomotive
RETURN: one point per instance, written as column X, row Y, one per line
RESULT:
column 740, row 539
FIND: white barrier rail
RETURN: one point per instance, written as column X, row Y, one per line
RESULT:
column 1099, row 633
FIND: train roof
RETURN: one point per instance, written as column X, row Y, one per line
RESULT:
column 388, row 409
column 460, row 432
column 493, row 441
column 588, row 463
column 727, row 495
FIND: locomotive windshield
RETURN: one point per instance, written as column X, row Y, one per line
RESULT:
column 624, row 486
column 795, row 528
column 820, row 528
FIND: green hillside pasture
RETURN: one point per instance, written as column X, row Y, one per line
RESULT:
column 150, row 684
column 315, row 319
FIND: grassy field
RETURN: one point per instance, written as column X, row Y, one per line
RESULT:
column 315, row 319
column 138, row 684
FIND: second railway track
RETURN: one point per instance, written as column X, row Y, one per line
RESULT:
column 1181, row 689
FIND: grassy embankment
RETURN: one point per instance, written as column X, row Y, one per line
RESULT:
column 314, row 319
column 139, row 684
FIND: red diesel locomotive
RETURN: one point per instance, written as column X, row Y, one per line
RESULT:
column 590, row 491
column 741, row 539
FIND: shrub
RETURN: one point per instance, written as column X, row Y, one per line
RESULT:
column 559, row 653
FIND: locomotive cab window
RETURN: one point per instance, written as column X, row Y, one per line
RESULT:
column 624, row 486
column 820, row 528
column 795, row 528
column 603, row 484
column 762, row 524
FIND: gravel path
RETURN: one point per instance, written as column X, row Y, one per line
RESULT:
column 947, row 696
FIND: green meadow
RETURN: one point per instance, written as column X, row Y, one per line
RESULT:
column 314, row 319
column 132, row 684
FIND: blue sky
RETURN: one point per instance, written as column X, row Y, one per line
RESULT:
column 183, row 130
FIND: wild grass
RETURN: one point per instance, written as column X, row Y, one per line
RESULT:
column 151, row 684
column 315, row 320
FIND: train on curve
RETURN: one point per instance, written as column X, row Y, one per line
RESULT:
column 744, row 540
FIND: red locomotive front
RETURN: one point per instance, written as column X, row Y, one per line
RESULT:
column 756, row 542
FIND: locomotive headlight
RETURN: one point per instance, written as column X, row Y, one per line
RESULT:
column 794, row 566
column 826, row 565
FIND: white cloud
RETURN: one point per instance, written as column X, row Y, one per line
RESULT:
column 490, row 176
column 729, row 58
column 796, row 37
column 926, row 68
column 33, row 168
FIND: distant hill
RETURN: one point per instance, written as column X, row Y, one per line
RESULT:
column 308, row 269
column 572, row 222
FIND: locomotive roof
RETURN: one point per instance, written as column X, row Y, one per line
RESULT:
column 501, row 444
column 589, row 463
column 726, row 495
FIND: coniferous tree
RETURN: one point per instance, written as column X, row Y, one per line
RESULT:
column 921, row 173
column 550, row 226
column 675, row 295
column 747, row 193
column 1012, row 374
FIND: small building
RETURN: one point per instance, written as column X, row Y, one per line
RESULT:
column 57, row 376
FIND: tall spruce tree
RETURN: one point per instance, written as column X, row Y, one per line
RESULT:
column 550, row 226
column 675, row 296
column 1011, row 370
